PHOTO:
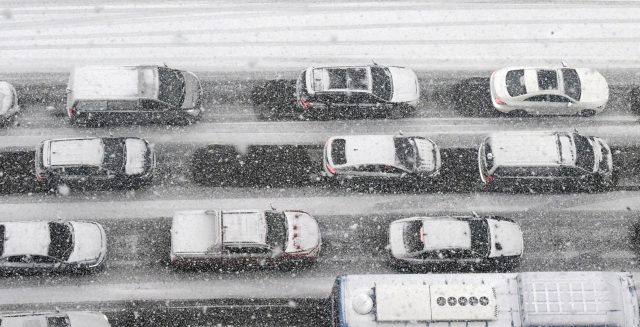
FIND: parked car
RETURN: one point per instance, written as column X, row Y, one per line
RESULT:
column 244, row 237
column 549, row 91
column 381, row 156
column 51, row 246
column 546, row 156
column 450, row 241
column 8, row 102
column 388, row 91
column 126, row 160
column 136, row 93
column 55, row 319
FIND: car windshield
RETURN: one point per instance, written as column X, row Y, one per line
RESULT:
column 572, row 86
column 547, row 79
column 276, row 229
column 405, row 152
column 381, row 83
column 585, row 158
column 58, row 321
column 61, row 244
column 338, row 151
column 515, row 83
column 1, row 240
column 412, row 236
column 114, row 154
column 479, row 236
column 172, row 86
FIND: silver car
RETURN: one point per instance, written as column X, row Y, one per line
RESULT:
column 55, row 319
column 8, row 102
column 549, row 91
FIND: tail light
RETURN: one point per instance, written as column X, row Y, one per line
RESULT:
column 489, row 178
column 331, row 169
column 304, row 103
column 498, row 100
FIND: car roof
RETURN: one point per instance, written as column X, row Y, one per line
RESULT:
column 114, row 82
column 63, row 152
column 531, row 148
column 368, row 149
column 244, row 227
column 26, row 237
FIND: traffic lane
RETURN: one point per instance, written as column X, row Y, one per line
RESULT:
column 137, row 266
column 288, row 166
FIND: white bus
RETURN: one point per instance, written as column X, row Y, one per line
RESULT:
column 525, row 299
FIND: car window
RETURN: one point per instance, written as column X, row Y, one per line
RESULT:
column 585, row 157
column 515, row 83
column 479, row 236
column 19, row 259
column 114, row 154
column 381, row 83
column 338, row 151
column 538, row 98
column 412, row 236
column 488, row 154
column 1, row 239
column 58, row 321
column 90, row 105
column 276, row 229
column 122, row 105
column 572, row 85
column 390, row 170
column 405, row 152
column 247, row 249
column 43, row 259
column 558, row 98
column 172, row 86
column 547, row 79
column 61, row 240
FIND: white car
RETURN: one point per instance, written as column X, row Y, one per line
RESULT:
column 244, row 237
column 51, row 246
column 391, row 91
column 549, row 91
column 386, row 156
column 55, row 319
column 490, row 241
column 8, row 102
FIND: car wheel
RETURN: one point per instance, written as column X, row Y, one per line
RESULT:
column 518, row 113
column 588, row 113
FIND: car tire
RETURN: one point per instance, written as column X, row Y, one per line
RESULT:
column 588, row 113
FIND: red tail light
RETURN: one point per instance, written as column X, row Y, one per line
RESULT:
column 331, row 169
column 498, row 100
column 489, row 178
column 304, row 103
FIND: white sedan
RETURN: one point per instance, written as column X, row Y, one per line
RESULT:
column 549, row 91
column 8, row 102
column 27, row 246
column 55, row 319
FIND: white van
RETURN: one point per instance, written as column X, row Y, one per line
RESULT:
column 145, row 93
column 505, row 157
column 528, row 299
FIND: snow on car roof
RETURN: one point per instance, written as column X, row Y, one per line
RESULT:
column 136, row 156
column 457, row 235
column 26, row 237
column 196, row 231
column 75, row 152
column 530, row 147
column 114, row 82
column 369, row 149
column 244, row 227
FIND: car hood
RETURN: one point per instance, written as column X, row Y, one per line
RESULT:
column 94, row 319
column 192, row 91
column 405, row 85
column 509, row 236
column 90, row 241
column 304, row 233
column 594, row 86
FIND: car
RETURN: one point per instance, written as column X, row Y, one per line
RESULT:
column 8, row 102
column 390, row 157
column 136, row 93
column 32, row 246
column 55, row 319
column 244, row 237
column 389, row 91
column 129, row 161
column 549, row 91
column 545, row 156
column 453, row 241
